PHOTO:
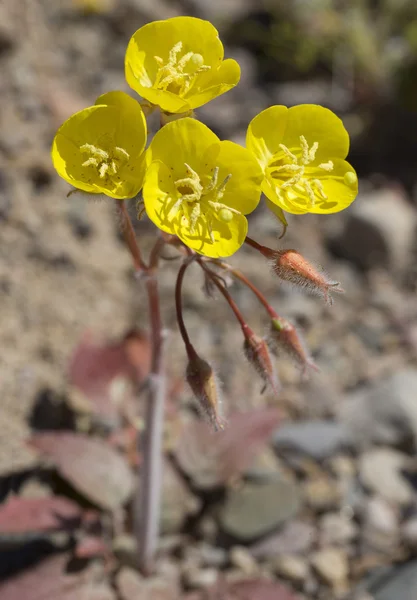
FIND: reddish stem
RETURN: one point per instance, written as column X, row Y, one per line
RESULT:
column 215, row 279
column 130, row 237
column 262, row 249
column 239, row 275
column 178, row 306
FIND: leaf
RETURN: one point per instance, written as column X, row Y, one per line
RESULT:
column 103, row 372
column 211, row 459
column 25, row 515
column 49, row 581
column 90, row 465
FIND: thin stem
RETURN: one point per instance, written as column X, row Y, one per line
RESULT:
column 148, row 495
column 250, row 242
column 148, row 507
column 178, row 306
column 130, row 237
column 215, row 279
column 239, row 275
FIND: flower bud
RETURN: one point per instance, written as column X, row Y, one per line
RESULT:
column 257, row 353
column 203, row 383
column 284, row 338
column 291, row 266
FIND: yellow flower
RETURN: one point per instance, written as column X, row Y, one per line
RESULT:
column 200, row 188
column 301, row 151
column 100, row 149
column 178, row 64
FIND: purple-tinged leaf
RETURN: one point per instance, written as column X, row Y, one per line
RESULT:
column 28, row 515
column 212, row 458
column 92, row 466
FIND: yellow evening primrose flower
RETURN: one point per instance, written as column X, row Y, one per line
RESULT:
column 178, row 64
column 302, row 152
column 100, row 149
column 200, row 188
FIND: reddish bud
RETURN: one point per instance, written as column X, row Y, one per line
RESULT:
column 290, row 266
column 257, row 352
column 284, row 338
column 204, row 385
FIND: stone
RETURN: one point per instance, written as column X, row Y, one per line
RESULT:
column 378, row 230
column 400, row 583
column 196, row 577
column 291, row 567
column 177, row 501
column 322, row 493
column 379, row 472
column 331, row 564
column 317, row 439
column 255, row 510
column 337, row 529
column 409, row 532
column 296, row 537
column 386, row 414
column 241, row 558
column 381, row 526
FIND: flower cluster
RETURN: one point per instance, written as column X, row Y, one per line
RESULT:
column 194, row 185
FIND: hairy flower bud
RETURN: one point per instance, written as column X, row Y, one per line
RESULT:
column 203, row 383
column 284, row 338
column 291, row 266
column 257, row 353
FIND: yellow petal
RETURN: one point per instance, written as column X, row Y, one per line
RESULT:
column 157, row 39
column 340, row 189
column 160, row 196
column 228, row 237
column 265, row 133
column 183, row 141
column 278, row 212
column 316, row 124
column 119, row 123
column 131, row 130
column 212, row 84
column 243, row 190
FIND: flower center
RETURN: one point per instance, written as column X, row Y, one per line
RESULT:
column 107, row 163
column 179, row 74
column 292, row 168
column 195, row 201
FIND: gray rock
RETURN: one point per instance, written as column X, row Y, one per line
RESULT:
column 295, row 537
column 381, row 526
column 332, row 566
column 380, row 472
column 254, row 510
column 399, row 584
column 337, row 529
column 318, row 439
column 379, row 231
column 386, row 414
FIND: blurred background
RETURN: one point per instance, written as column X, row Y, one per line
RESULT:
column 321, row 504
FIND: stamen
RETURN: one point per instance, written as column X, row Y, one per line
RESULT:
column 103, row 170
column 327, row 166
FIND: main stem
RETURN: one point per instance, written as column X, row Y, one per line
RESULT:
column 150, row 442
column 148, row 496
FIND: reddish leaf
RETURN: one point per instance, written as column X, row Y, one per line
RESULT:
column 90, row 465
column 48, row 581
column 210, row 459
column 96, row 367
column 25, row 515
